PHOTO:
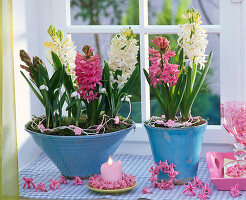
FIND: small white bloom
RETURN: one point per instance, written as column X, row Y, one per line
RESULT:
column 56, row 112
column 103, row 90
column 56, row 90
column 43, row 87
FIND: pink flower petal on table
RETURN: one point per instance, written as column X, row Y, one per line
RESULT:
column 54, row 184
column 28, row 183
column 206, row 189
column 234, row 192
column 116, row 120
column 146, row 190
column 41, row 187
column 197, row 182
column 77, row 181
column 202, row 195
column 190, row 189
column 62, row 180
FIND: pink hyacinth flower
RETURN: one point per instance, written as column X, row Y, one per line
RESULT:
column 207, row 190
column 63, row 180
column 202, row 195
column 190, row 189
column 234, row 192
column 54, row 184
column 116, row 120
column 77, row 131
column 197, row 182
column 28, row 183
column 146, row 190
column 77, row 181
column 41, row 187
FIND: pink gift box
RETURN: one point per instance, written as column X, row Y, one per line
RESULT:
column 215, row 161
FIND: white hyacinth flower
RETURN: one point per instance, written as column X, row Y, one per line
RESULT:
column 193, row 40
column 43, row 87
column 123, row 56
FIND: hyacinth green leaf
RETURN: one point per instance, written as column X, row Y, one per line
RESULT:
column 198, row 85
column 158, row 96
column 106, row 74
column 71, row 104
column 176, row 92
column 34, row 90
column 57, row 78
column 68, row 83
column 131, row 80
column 182, row 87
column 56, row 61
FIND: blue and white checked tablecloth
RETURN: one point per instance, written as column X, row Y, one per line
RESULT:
column 42, row 169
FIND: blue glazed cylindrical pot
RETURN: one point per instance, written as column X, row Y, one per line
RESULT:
column 80, row 155
column 180, row 146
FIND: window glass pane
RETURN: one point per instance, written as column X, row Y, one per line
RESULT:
column 207, row 103
column 101, row 44
column 105, row 12
column 167, row 12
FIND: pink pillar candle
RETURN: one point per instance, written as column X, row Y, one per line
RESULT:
column 111, row 171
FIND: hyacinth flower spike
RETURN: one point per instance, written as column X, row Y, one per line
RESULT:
column 190, row 189
column 28, row 183
column 77, row 181
column 41, row 187
column 202, row 195
column 54, row 184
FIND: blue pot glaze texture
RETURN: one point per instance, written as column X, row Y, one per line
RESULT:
column 80, row 155
column 180, row 146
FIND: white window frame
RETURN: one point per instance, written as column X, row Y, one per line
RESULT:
column 231, row 53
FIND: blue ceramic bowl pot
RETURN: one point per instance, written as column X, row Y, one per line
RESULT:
column 80, row 155
column 180, row 146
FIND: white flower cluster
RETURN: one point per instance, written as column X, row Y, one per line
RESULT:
column 192, row 38
column 66, row 51
column 123, row 56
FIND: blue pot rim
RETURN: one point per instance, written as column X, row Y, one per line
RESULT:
column 82, row 136
column 175, row 129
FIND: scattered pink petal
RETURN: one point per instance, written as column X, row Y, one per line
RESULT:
column 77, row 181
column 41, row 127
column 206, row 189
column 99, row 128
column 77, row 131
column 28, row 183
column 97, row 182
column 170, row 123
column 54, row 184
column 41, row 187
column 234, row 192
column 62, row 180
column 146, row 190
column 124, row 123
column 159, row 122
column 116, row 120
column 190, row 189
column 197, row 182
column 202, row 195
